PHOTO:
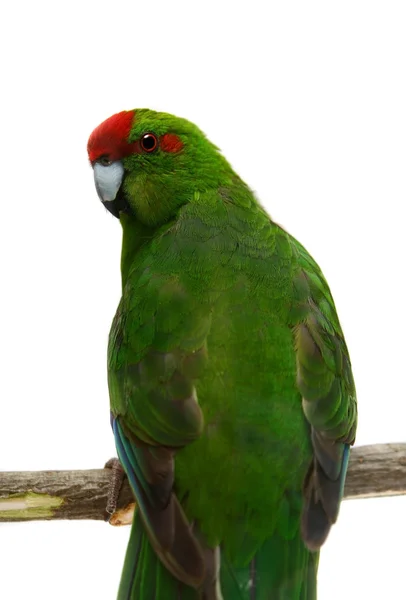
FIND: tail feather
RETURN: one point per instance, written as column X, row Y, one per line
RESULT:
column 131, row 561
column 144, row 577
column 281, row 570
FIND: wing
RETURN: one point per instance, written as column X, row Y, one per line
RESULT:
column 325, row 381
column 157, row 349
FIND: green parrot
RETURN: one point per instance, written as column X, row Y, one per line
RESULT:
column 233, row 404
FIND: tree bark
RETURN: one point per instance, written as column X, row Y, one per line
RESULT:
column 374, row 471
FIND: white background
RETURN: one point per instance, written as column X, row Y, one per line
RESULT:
column 308, row 102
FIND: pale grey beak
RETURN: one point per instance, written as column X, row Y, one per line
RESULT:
column 108, row 180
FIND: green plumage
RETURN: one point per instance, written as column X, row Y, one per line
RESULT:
column 229, row 380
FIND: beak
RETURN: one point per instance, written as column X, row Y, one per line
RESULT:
column 108, row 180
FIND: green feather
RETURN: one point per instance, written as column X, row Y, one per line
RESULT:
column 230, row 378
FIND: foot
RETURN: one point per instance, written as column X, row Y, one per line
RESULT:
column 116, row 480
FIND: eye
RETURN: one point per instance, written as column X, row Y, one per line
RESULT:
column 149, row 142
column 104, row 161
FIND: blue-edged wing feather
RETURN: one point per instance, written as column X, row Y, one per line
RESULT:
column 324, row 378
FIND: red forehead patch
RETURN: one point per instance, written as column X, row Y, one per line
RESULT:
column 111, row 137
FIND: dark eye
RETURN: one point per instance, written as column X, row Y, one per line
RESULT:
column 149, row 142
column 104, row 161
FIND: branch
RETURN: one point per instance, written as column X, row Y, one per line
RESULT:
column 374, row 471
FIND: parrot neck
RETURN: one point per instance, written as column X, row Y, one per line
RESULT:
column 135, row 235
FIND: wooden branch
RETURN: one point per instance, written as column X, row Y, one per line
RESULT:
column 374, row 471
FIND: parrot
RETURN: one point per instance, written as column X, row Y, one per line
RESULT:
column 232, row 398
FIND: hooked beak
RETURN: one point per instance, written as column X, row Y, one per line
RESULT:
column 108, row 180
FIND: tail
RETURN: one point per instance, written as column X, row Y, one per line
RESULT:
column 281, row 570
column 144, row 577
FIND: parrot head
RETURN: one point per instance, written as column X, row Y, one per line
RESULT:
column 148, row 164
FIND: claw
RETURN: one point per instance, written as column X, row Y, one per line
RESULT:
column 123, row 516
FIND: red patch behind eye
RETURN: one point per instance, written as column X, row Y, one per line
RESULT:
column 111, row 137
column 171, row 143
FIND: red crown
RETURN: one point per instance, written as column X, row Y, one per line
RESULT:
column 111, row 137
